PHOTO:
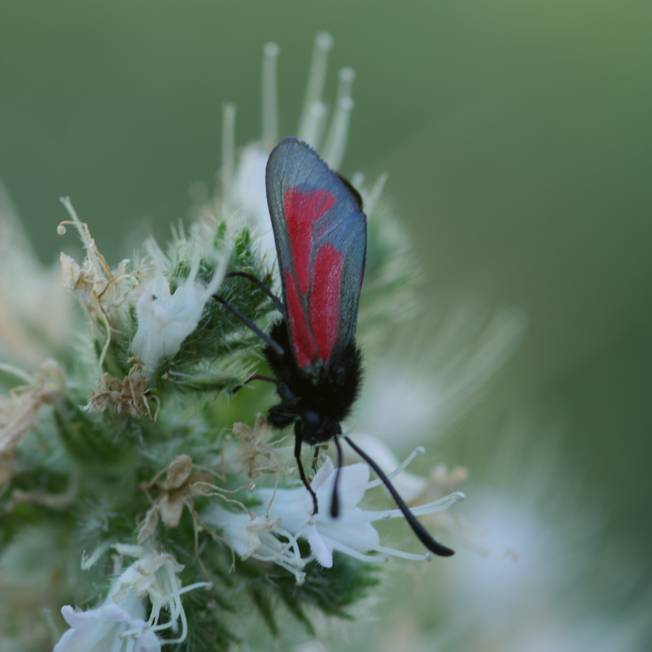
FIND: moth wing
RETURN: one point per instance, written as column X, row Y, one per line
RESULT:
column 320, row 233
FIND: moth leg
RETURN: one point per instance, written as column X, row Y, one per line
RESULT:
column 273, row 344
column 269, row 379
column 261, row 286
column 281, row 415
column 315, row 458
column 302, row 473
column 285, row 392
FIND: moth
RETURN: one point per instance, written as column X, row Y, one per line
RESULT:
column 320, row 231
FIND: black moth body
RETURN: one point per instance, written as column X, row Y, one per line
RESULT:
column 316, row 402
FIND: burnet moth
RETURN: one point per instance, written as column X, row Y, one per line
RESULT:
column 320, row 231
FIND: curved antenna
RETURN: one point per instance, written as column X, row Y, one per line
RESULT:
column 261, row 286
column 273, row 344
column 335, row 496
column 418, row 529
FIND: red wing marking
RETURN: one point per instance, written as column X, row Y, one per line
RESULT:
column 302, row 210
column 325, row 298
column 302, row 341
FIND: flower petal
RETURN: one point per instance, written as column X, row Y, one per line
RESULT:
column 353, row 484
column 319, row 548
column 109, row 628
column 362, row 536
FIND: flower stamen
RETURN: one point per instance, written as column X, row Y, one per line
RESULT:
column 316, row 78
column 335, row 144
column 228, row 153
column 270, row 95
column 419, row 450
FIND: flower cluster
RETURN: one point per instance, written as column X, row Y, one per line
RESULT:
column 286, row 515
column 119, row 623
column 146, row 441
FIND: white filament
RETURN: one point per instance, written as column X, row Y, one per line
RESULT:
column 357, row 179
column 419, row 450
column 421, row 510
column 335, row 144
column 314, row 125
column 270, row 95
column 228, row 151
column 402, row 554
column 345, row 78
column 375, row 192
column 155, row 252
column 316, row 77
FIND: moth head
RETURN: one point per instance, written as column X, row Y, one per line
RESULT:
column 315, row 428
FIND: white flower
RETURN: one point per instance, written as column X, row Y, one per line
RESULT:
column 155, row 576
column 166, row 318
column 271, row 531
column 112, row 627
column 120, row 621
column 352, row 533
column 256, row 536
column 250, row 197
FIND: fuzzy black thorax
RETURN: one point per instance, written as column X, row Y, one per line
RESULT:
column 321, row 397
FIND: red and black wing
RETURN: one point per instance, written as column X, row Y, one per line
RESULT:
column 321, row 240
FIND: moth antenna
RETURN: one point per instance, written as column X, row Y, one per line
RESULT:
column 335, row 496
column 421, row 533
column 261, row 286
column 278, row 349
column 267, row 379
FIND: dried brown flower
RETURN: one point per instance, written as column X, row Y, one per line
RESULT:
column 181, row 485
column 102, row 291
column 131, row 395
column 19, row 410
column 256, row 453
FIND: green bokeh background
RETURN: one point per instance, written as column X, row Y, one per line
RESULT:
column 516, row 135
